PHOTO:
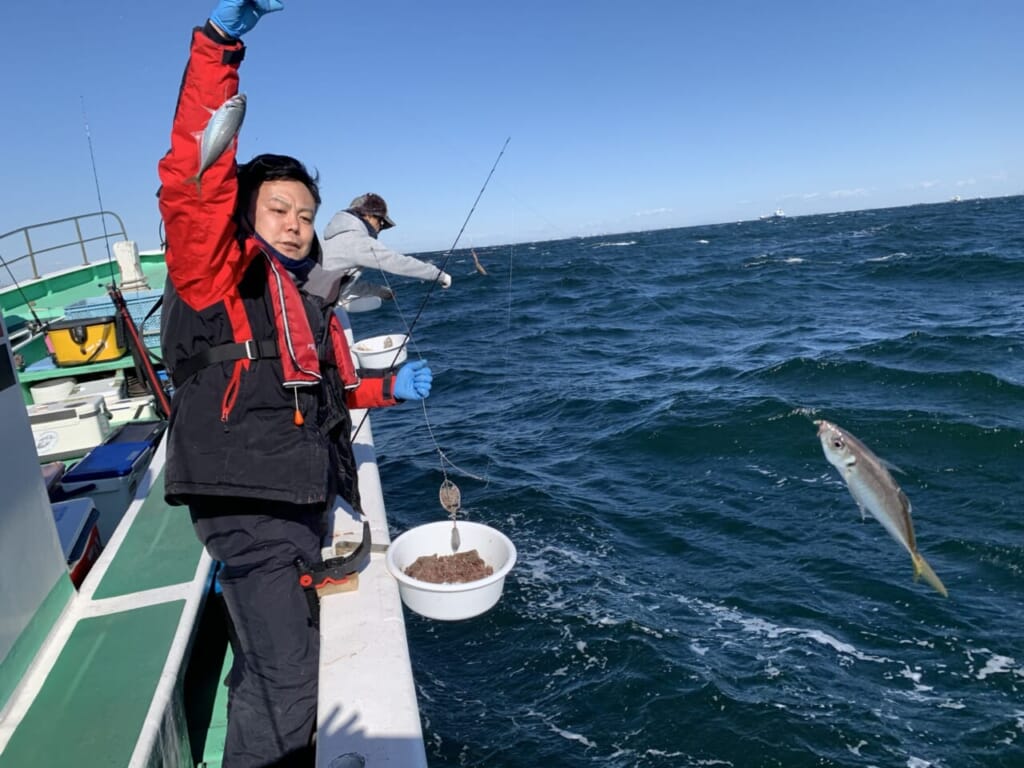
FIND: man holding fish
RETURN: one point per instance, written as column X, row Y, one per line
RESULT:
column 258, row 445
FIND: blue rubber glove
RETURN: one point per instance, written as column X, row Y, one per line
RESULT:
column 413, row 381
column 236, row 17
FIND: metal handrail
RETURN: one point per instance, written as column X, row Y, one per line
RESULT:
column 80, row 240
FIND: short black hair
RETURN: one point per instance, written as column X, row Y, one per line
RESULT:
column 273, row 168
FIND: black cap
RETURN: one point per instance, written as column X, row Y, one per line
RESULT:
column 372, row 205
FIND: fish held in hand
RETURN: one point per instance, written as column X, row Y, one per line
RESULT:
column 874, row 490
column 220, row 131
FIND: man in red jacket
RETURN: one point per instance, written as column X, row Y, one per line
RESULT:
column 259, row 438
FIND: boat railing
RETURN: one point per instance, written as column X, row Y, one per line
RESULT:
column 49, row 237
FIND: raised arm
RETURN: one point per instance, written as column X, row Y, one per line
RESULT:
column 203, row 258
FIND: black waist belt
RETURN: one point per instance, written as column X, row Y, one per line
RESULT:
column 223, row 353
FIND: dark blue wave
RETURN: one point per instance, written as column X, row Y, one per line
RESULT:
column 696, row 585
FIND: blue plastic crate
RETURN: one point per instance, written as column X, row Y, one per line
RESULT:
column 139, row 303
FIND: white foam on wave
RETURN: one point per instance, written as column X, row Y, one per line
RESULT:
column 764, row 259
column 999, row 665
column 771, row 631
column 621, row 753
column 571, row 736
column 910, row 674
column 548, row 564
column 855, row 748
column 564, row 733
column 846, row 654
column 994, row 664
column 614, row 245
column 1012, row 737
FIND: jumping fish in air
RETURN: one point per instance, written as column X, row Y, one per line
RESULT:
column 218, row 134
column 874, row 489
column 477, row 264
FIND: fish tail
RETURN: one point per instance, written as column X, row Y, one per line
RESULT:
column 921, row 568
column 198, row 181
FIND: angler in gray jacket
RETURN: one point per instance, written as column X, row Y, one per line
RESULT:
column 350, row 243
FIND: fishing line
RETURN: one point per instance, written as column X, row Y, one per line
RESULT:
column 451, row 249
column 444, row 263
column 423, row 403
column 562, row 234
column 449, row 494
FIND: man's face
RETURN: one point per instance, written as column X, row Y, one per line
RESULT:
column 282, row 214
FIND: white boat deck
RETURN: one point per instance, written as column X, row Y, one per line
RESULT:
column 367, row 706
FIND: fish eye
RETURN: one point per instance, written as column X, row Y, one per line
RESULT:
column 837, row 442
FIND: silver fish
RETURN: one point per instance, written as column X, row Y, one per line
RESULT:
column 874, row 490
column 477, row 264
column 219, row 132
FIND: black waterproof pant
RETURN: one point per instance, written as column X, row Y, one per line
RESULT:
column 273, row 682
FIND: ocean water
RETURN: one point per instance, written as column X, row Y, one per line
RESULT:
column 695, row 585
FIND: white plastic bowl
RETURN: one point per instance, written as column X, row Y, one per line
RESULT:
column 451, row 602
column 379, row 352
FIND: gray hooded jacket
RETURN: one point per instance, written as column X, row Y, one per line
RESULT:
column 351, row 244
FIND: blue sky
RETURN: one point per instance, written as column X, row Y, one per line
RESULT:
column 622, row 116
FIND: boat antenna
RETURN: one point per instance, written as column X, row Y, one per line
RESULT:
column 99, row 197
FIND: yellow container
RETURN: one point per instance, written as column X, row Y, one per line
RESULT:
column 87, row 340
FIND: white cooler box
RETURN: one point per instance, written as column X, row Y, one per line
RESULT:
column 68, row 428
column 111, row 389
column 109, row 476
column 130, row 409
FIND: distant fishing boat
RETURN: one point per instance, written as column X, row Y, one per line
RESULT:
column 778, row 214
column 113, row 647
column 955, row 199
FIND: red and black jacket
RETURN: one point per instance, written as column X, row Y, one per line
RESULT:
column 264, row 378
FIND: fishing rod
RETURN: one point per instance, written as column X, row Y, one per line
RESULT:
column 99, row 197
column 140, row 352
column 444, row 264
column 449, row 253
